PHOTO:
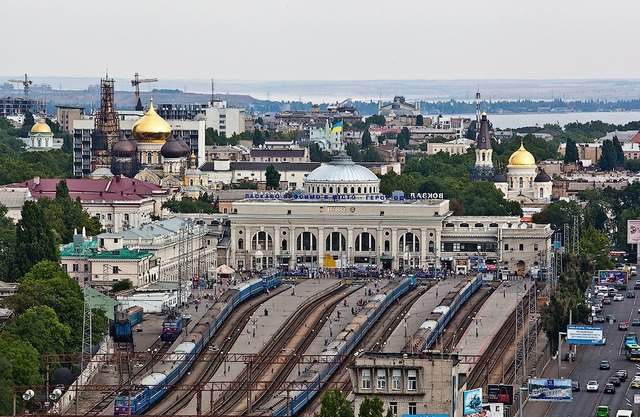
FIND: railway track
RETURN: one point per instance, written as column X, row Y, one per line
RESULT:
column 499, row 346
column 296, row 335
column 126, row 373
column 371, row 341
column 202, row 372
column 464, row 318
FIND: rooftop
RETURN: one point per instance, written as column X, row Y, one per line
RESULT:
column 90, row 249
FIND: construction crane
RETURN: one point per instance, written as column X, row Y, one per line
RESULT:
column 136, row 83
column 26, row 84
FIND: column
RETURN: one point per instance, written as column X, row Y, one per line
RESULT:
column 276, row 246
column 423, row 247
column 394, row 248
column 292, row 247
column 248, row 257
column 320, row 247
column 350, row 244
column 380, row 244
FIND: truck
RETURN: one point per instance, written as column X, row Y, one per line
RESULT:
column 602, row 411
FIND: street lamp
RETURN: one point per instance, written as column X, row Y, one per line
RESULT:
column 560, row 334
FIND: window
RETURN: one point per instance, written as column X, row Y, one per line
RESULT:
column 109, row 216
column 506, row 246
column 115, row 269
column 76, row 268
column 387, row 246
column 365, row 242
column 86, row 267
column 381, row 380
column 409, row 243
column 535, row 247
column 413, row 409
column 64, row 267
column 284, row 244
column 261, row 241
column 521, row 247
column 541, row 193
column 412, row 380
column 306, row 242
column 431, row 246
column 335, row 242
column 393, row 407
column 520, row 182
column 366, row 379
column 240, row 244
column 396, row 380
column 126, row 217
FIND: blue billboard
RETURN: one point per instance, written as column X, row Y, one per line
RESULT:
column 472, row 401
column 541, row 389
column 584, row 335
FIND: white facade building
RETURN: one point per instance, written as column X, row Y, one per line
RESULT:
column 226, row 120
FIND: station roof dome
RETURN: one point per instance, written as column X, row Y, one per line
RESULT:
column 342, row 170
column 522, row 157
column 40, row 127
column 151, row 128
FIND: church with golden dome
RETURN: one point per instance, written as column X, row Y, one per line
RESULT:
column 153, row 153
column 41, row 138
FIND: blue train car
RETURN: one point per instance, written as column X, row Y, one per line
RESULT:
column 172, row 327
column 124, row 322
column 186, row 353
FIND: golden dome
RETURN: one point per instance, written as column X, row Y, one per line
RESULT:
column 40, row 127
column 522, row 157
column 151, row 128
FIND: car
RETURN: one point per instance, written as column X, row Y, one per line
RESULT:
column 622, row 374
column 592, row 386
column 606, row 300
column 602, row 411
column 596, row 308
column 601, row 342
column 598, row 319
column 614, row 380
column 631, row 294
column 610, row 317
column 618, row 297
column 604, row 365
column 623, row 325
column 624, row 413
column 635, row 382
column 636, row 286
column 635, row 322
column 575, row 385
column 609, row 389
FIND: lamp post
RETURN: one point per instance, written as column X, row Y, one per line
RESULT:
column 560, row 334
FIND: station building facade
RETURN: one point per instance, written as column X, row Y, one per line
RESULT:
column 342, row 220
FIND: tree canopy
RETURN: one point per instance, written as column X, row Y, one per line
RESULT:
column 335, row 404
column 35, row 240
column 205, row 203
column 272, row 177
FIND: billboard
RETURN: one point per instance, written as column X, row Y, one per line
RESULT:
column 584, row 335
column 612, row 277
column 633, row 232
column 541, row 389
column 472, row 402
column 492, row 410
column 499, row 393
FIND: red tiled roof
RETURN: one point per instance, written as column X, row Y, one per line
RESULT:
column 105, row 189
column 636, row 138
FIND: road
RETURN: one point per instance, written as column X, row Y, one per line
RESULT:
column 588, row 359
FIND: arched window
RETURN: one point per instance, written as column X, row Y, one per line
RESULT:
column 335, row 242
column 306, row 242
column 240, row 244
column 432, row 246
column 330, row 190
column 530, row 182
column 284, row 244
column 511, row 182
column 344, row 190
column 353, row 190
column 464, row 224
column 449, row 225
column 541, row 192
column 493, row 225
column 409, row 243
column 261, row 241
column 520, row 182
column 324, row 190
column 484, row 157
column 365, row 242
column 387, row 246
column 479, row 225
column 359, row 190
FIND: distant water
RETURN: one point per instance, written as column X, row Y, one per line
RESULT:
column 510, row 121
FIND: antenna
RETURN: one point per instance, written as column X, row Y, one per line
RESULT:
column 213, row 89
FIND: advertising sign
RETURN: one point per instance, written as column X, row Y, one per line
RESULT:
column 633, row 232
column 612, row 277
column 492, row 410
column 472, row 402
column 550, row 390
column 636, row 398
column 584, row 335
column 499, row 393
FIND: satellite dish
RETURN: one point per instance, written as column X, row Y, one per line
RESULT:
column 28, row 394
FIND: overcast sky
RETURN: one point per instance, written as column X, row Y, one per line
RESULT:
column 322, row 40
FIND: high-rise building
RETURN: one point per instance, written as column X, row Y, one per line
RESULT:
column 225, row 120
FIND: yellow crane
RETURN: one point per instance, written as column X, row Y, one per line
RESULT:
column 136, row 84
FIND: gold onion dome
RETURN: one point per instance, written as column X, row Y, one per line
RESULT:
column 151, row 128
column 40, row 127
column 522, row 157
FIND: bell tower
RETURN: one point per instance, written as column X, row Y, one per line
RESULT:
column 483, row 169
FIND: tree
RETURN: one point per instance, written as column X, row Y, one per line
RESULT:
column 335, row 404
column 62, row 191
column 123, row 285
column 375, row 119
column 403, row 138
column 419, row 120
column 371, row 407
column 257, row 137
column 40, row 326
column 571, row 152
column 6, row 386
column 558, row 213
column 595, row 245
column 273, row 177
column 35, row 241
column 609, row 158
column 23, row 358
column 366, row 139
column 7, row 246
column 617, row 146
column 318, row 155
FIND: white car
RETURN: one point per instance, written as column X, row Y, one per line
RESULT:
column 618, row 297
column 592, row 386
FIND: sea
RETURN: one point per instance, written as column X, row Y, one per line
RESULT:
column 512, row 121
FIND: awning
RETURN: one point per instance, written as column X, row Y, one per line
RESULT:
column 386, row 258
column 224, row 269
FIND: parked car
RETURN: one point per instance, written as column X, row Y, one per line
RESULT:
column 635, row 382
column 592, row 386
column 604, row 365
column 635, row 322
column 598, row 319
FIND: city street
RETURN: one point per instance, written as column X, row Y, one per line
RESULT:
column 586, row 368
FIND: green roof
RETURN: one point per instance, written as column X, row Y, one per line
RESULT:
column 89, row 249
column 101, row 301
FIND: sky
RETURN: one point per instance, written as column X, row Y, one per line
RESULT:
column 322, row 40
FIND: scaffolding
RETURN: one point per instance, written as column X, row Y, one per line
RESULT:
column 107, row 126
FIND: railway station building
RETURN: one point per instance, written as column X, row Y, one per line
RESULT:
column 342, row 220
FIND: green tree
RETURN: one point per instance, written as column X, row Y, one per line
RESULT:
column 123, row 285
column 6, row 386
column 318, row 155
column 24, row 359
column 403, row 138
column 609, row 158
column 375, row 119
column 62, row 191
column 419, row 120
column 40, row 326
column 273, row 177
column 558, row 213
column 371, row 407
column 335, row 404
column 595, row 245
column 571, row 152
column 7, row 246
column 258, row 138
column 35, row 241
column 366, row 139
column 617, row 147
